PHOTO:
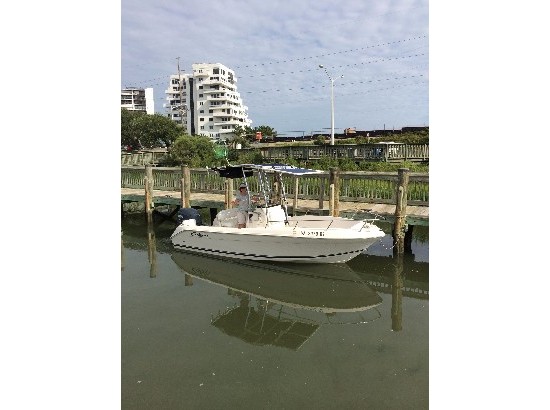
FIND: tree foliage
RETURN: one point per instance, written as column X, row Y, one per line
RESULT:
column 242, row 132
column 249, row 134
column 266, row 131
column 194, row 151
column 138, row 129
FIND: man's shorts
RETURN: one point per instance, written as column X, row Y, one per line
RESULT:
column 241, row 217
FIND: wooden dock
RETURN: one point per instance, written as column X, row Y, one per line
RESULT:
column 416, row 215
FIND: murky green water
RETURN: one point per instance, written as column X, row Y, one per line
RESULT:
column 204, row 333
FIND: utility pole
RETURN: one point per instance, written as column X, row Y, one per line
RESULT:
column 331, row 103
column 181, row 107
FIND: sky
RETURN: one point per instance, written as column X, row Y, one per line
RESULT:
column 275, row 48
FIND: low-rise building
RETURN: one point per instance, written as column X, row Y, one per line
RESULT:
column 138, row 99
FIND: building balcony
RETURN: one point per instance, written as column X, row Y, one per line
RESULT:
column 232, row 122
column 211, row 91
column 224, row 98
column 218, row 113
column 214, row 81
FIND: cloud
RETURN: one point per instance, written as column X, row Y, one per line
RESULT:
column 275, row 48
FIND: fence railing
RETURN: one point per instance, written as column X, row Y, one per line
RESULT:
column 368, row 187
column 362, row 152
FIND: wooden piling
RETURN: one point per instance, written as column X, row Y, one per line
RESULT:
column 186, row 186
column 228, row 193
column 321, row 192
column 182, row 189
column 397, row 295
column 408, row 238
column 151, row 249
column 400, row 211
column 148, row 182
column 295, row 203
column 334, row 183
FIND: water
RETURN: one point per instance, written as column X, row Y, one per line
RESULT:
column 200, row 333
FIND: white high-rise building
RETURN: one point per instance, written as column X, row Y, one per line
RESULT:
column 138, row 99
column 208, row 102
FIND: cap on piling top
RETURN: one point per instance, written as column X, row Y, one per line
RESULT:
column 243, row 185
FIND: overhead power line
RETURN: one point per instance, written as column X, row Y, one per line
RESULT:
column 166, row 78
column 331, row 54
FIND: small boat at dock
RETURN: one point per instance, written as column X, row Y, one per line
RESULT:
column 270, row 233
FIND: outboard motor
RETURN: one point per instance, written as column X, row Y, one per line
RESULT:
column 189, row 213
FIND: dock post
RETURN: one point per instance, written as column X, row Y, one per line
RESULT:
column 151, row 249
column 228, row 193
column 408, row 239
column 397, row 295
column 321, row 191
column 400, row 211
column 296, row 187
column 148, row 181
column 182, row 187
column 334, row 184
column 186, row 186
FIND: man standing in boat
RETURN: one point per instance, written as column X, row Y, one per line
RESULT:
column 242, row 201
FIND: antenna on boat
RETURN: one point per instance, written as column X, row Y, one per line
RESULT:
column 284, row 202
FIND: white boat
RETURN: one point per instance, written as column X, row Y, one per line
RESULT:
column 270, row 233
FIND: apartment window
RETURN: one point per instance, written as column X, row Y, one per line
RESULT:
column 202, row 127
column 201, row 119
column 216, row 71
column 200, row 95
column 201, row 111
column 211, row 119
column 211, row 127
column 200, row 87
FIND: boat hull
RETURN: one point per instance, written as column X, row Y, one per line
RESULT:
column 285, row 244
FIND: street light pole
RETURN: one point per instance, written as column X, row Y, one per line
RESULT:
column 331, row 103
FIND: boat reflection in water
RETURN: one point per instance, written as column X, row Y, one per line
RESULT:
column 282, row 304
